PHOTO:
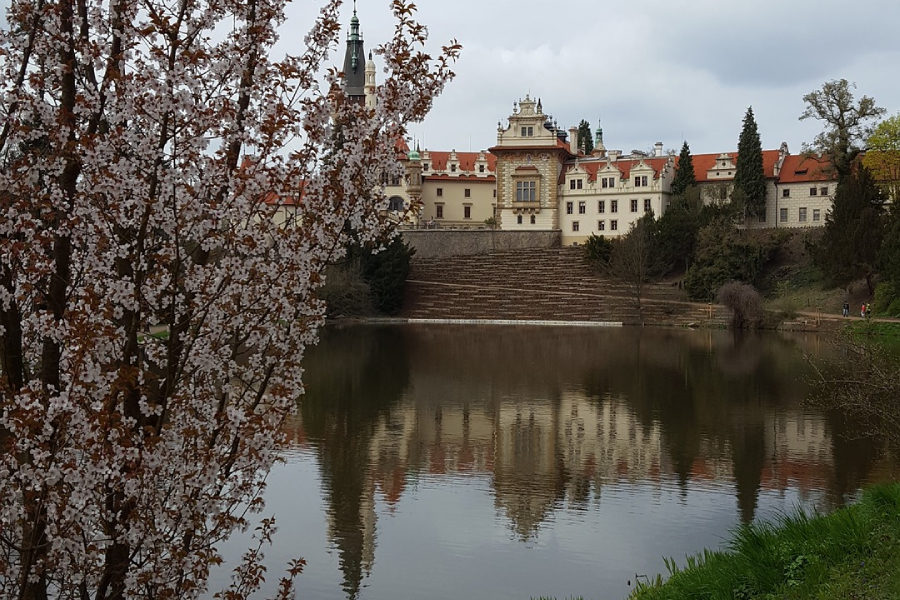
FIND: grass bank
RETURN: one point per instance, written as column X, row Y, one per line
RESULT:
column 853, row 554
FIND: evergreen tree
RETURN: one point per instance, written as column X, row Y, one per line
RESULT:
column 684, row 172
column 585, row 139
column 750, row 178
column 854, row 230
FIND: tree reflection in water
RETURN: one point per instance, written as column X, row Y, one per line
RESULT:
column 551, row 416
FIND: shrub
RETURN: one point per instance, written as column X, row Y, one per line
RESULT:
column 597, row 251
column 746, row 304
column 887, row 299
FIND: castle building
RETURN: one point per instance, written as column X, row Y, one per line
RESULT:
column 536, row 178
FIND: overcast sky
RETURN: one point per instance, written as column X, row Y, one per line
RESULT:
column 653, row 71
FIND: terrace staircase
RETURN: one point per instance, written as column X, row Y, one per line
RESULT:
column 552, row 284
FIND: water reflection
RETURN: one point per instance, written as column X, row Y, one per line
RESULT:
column 554, row 420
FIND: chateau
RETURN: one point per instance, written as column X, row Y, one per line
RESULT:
column 536, row 178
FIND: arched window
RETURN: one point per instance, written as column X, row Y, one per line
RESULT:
column 395, row 204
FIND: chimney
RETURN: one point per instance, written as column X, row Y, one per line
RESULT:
column 614, row 155
column 573, row 140
column 657, row 149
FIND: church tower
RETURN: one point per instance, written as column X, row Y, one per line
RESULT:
column 355, row 64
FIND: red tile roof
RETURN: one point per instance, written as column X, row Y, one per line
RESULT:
column 623, row 166
column 799, row 168
column 472, row 177
column 705, row 162
column 438, row 161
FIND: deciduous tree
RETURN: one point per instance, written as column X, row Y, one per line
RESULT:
column 882, row 157
column 128, row 204
column 847, row 123
column 631, row 259
column 749, row 176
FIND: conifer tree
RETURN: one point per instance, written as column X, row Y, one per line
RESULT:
column 684, row 172
column 585, row 141
column 854, row 229
column 749, row 177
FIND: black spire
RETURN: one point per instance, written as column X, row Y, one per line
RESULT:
column 354, row 62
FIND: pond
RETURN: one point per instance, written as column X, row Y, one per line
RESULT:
column 503, row 462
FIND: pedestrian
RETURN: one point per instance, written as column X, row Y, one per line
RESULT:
column 846, row 309
column 862, row 310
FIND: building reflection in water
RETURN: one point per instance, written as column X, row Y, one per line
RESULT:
column 553, row 416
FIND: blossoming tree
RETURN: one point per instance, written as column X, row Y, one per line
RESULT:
column 127, row 205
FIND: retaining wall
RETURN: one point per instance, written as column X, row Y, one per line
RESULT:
column 443, row 243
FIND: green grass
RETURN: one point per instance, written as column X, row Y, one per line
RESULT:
column 874, row 328
column 853, row 553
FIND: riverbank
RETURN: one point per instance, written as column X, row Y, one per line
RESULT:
column 853, row 553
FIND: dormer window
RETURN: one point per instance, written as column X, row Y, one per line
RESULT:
column 640, row 181
column 425, row 166
column 576, row 184
column 453, row 168
column 528, row 131
column 481, row 168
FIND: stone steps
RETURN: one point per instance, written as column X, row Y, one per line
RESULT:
column 547, row 284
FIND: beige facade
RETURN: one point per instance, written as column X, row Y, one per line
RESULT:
column 530, row 155
column 536, row 179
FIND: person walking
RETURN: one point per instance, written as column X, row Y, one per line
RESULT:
column 846, row 312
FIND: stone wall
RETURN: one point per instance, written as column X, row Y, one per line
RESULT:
column 442, row 243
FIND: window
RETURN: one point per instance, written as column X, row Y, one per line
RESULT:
column 424, row 166
column 824, row 191
column 453, row 168
column 519, row 219
column 440, row 192
column 614, row 206
column 785, row 193
column 813, row 191
column 640, row 181
column 608, row 182
column 467, row 193
column 481, row 168
column 576, row 184
column 817, row 214
column 634, row 206
column 647, row 207
column 762, row 216
column 613, row 225
column 601, row 206
column 533, row 220
column 582, row 208
column 782, row 214
column 526, row 191
column 527, row 131
column 439, row 208
column 568, row 208
column 574, row 225
column 467, row 212
column 601, row 225
column 801, row 215
column 495, row 192
column 395, row 180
